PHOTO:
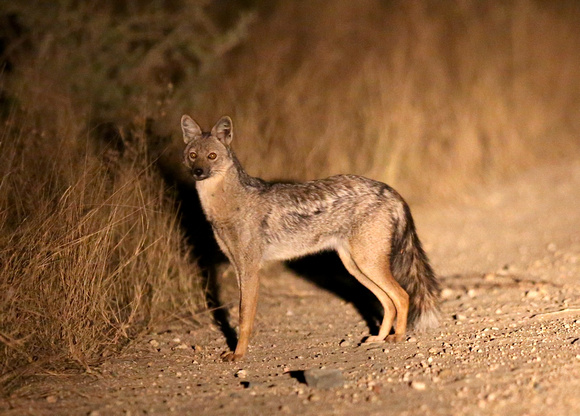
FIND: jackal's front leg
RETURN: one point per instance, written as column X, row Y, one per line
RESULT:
column 249, row 284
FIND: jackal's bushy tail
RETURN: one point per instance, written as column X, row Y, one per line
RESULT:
column 411, row 268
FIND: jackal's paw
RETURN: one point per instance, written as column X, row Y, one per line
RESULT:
column 229, row 356
column 395, row 338
column 373, row 339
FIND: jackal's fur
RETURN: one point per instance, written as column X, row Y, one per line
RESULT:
column 367, row 222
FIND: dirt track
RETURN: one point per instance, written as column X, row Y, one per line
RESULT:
column 509, row 342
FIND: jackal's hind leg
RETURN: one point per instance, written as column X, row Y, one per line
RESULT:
column 386, row 302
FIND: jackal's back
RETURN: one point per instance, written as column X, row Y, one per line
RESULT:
column 317, row 215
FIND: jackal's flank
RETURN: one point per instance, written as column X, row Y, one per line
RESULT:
column 367, row 222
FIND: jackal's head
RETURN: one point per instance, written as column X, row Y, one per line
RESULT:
column 207, row 154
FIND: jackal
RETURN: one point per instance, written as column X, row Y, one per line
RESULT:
column 367, row 222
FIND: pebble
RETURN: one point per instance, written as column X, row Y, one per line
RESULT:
column 51, row 399
column 241, row 374
column 418, row 385
column 323, row 378
column 447, row 293
column 182, row 346
column 154, row 343
column 250, row 384
column 531, row 294
column 459, row 317
column 345, row 343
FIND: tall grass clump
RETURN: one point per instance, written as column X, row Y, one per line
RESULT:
column 430, row 96
column 90, row 257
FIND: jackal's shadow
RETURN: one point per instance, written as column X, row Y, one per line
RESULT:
column 327, row 272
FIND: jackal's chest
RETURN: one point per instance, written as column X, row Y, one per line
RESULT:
column 218, row 205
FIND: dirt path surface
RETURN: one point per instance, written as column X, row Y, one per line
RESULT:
column 509, row 340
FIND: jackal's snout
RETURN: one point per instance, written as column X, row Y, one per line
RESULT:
column 199, row 174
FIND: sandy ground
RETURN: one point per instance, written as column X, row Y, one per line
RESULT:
column 509, row 340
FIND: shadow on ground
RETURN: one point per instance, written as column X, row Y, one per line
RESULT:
column 327, row 272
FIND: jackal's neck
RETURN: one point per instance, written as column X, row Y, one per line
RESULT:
column 249, row 182
column 221, row 193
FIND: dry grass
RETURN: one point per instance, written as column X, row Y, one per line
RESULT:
column 429, row 96
column 89, row 257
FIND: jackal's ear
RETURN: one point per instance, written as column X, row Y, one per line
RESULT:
column 223, row 130
column 190, row 128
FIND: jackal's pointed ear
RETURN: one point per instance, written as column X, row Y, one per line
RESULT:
column 224, row 130
column 190, row 128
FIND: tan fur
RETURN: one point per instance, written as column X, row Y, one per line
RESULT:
column 365, row 221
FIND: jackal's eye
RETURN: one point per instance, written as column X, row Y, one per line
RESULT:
column 192, row 155
column 211, row 156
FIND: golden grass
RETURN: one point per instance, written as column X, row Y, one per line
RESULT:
column 90, row 257
column 432, row 97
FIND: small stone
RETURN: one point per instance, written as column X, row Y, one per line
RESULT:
column 182, row 346
column 418, row 385
column 176, row 340
column 345, row 343
column 241, row 374
column 51, row 399
column 178, row 374
column 459, row 317
column 323, row 378
column 154, row 343
column 94, row 413
column 250, row 384
column 531, row 294
column 447, row 293
column 314, row 398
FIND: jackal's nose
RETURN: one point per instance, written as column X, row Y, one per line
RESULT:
column 199, row 174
